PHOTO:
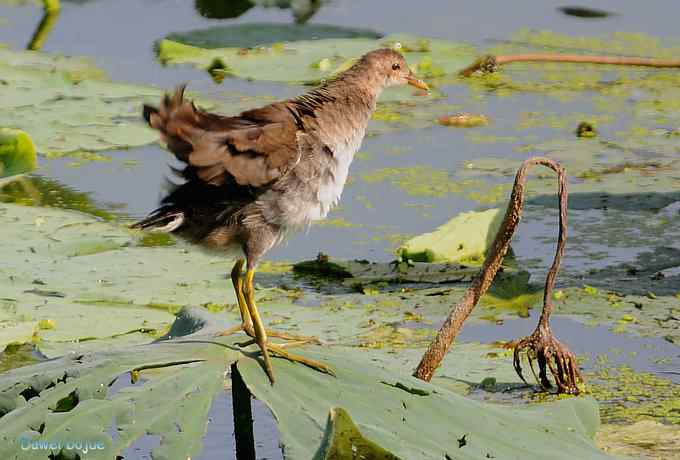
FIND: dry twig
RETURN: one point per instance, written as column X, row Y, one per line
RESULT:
column 542, row 345
column 490, row 63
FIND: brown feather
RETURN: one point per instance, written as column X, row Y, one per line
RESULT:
column 251, row 178
column 252, row 149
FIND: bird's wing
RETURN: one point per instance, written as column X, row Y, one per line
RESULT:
column 252, row 149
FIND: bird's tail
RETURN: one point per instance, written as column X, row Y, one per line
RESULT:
column 163, row 220
column 176, row 119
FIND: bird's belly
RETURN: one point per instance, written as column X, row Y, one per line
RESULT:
column 315, row 188
column 328, row 196
column 306, row 208
column 334, row 177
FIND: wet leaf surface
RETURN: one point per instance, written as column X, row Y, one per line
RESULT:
column 178, row 378
column 67, row 104
column 313, row 60
column 47, row 243
column 255, row 34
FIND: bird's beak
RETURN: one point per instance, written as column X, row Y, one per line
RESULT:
column 413, row 81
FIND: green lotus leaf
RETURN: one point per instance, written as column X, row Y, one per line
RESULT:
column 422, row 426
column 254, row 34
column 160, row 389
column 67, row 104
column 74, row 269
column 313, row 60
column 167, row 387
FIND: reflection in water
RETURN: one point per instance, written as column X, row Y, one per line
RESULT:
column 37, row 190
column 220, row 9
column 584, row 12
column 302, row 10
column 50, row 14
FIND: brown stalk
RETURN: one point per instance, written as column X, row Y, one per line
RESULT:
column 490, row 63
column 549, row 352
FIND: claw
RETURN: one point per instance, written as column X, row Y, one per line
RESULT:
column 531, row 366
column 516, row 362
column 281, row 352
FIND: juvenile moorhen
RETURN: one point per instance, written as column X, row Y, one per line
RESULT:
column 250, row 179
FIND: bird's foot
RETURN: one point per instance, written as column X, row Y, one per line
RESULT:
column 279, row 350
column 232, row 330
column 248, row 329
column 551, row 354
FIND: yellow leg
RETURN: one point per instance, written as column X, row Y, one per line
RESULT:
column 237, row 281
column 246, row 321
column 258, row 328
column 261, row 336
column 251, row 324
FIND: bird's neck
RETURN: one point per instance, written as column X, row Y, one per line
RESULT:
column 359, row 85
column 339, row 111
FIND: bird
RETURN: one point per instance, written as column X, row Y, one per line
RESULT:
column 250, row 180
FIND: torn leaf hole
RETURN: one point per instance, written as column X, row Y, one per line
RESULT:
column 67, row 403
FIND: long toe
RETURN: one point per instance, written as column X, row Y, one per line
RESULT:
column 232, row 330
column 280, row 351
column 264, row 348
column 293, row 337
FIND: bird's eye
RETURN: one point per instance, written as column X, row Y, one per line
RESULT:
column 396, row 66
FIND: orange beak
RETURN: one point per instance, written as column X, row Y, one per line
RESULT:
column 413, row 81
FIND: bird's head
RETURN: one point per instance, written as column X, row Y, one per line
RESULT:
column 390, row 67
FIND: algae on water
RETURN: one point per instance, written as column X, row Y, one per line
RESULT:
column 17, row 152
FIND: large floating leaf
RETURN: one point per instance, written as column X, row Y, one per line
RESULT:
column 72, row 270
column 314, row 60
column 359, row 321
column 254, row 34
column 164, row 389
column 425, row 421
column 173, row 383
column 67, row 104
